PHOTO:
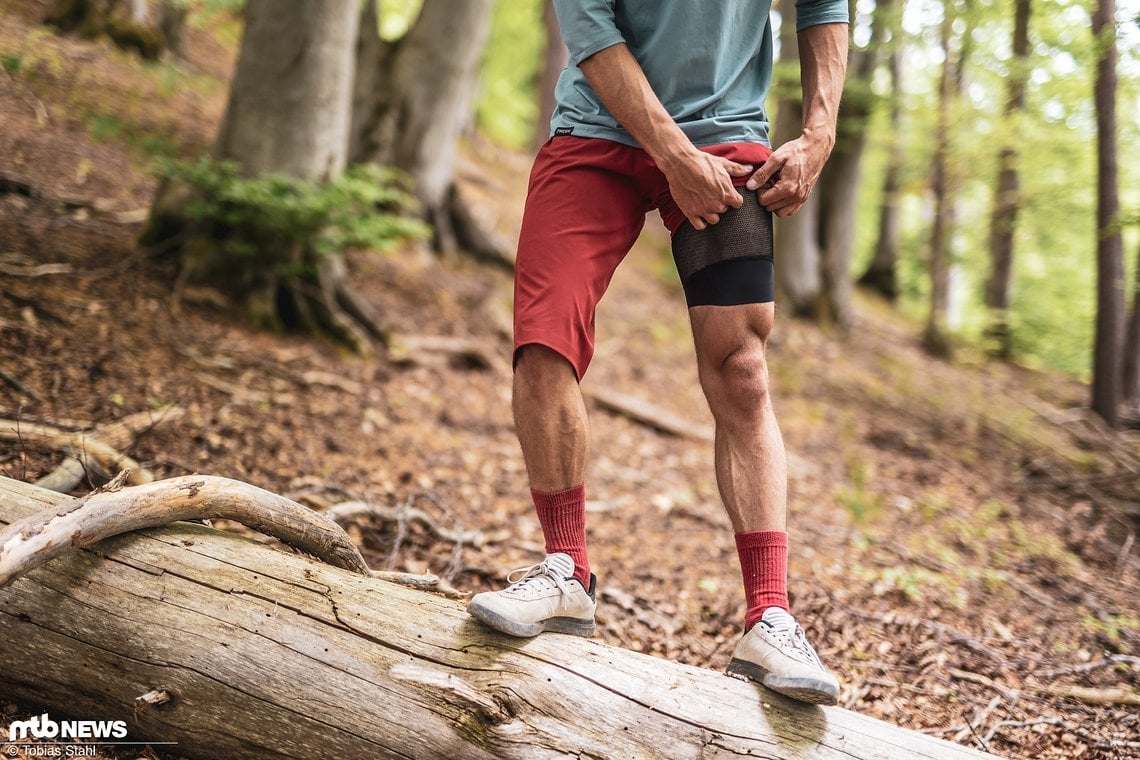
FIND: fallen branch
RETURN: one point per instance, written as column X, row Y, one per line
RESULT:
column 69, row 474
column 647, row 414
column 410, row 349
column 1088, row 667
column 1053, row 721
column 964, row 675
column 348, row 511
column 425, row 582
column 14, row 381
column 79, row 444
column 28, row 543
column 1120, row 695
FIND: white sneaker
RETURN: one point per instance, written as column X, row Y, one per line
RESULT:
column 545, row 597
column 776, row 653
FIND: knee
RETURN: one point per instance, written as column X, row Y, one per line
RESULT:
column 736, row 383
column 538, row 368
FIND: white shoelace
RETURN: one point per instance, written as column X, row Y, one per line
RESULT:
column 793, row 638
column 540, row 575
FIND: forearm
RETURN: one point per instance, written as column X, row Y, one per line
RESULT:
column 618, row 80
column 823, row 66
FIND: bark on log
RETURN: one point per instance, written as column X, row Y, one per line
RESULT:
column 267, row 654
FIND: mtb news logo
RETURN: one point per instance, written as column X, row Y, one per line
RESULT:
column 43, row 727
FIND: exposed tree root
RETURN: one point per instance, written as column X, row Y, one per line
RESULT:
column 473, row 236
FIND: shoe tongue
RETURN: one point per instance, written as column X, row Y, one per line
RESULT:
column 562, row 564
column 778, row 618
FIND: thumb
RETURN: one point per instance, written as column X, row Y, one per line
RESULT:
column 765, row 172
column 734, row 169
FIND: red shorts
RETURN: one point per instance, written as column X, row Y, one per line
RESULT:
column 585, row 207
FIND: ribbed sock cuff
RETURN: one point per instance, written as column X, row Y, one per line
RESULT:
column 764, row 566
column 562, row 515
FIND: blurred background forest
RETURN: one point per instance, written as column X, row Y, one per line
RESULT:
column 182, row 209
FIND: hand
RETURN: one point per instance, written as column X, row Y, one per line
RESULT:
column 701, row 186
column 786, row 179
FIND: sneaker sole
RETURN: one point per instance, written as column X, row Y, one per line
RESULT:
column 814, row 691
column 571, row 626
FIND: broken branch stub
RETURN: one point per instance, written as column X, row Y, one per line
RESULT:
column 29, row 543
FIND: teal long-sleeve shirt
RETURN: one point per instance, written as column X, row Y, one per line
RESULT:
column 708, row 61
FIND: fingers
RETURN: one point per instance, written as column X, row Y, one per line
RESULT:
column 764, row 174
column 736, row 170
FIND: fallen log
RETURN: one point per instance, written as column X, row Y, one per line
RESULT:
column 235, row 650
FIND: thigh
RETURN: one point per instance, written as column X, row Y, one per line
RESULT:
column 728, row 263
column 583, row 214
column 719, row 332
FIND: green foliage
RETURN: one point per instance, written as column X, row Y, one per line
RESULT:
column 397, row 16
column 1112, row 626
column 267, row 219
column 507, row 105
column 1053, row 297
column 11, row 63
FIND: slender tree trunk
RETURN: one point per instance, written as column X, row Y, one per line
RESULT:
column 934, row 338
column 369, row 82
column 839, row 184
column 1007, row 201
column 1109, row 246
column 881, row 275
column 554, row 59
column 1131, row 380
column 796, row 245
column 172, row 24
column 422, row 100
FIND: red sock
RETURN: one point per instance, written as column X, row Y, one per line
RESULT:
column 562, row 515
column 764, row 564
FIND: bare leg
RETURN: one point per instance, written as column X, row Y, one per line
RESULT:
column 751, row 467
column 550, row 419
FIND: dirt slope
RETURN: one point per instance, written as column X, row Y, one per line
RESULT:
column 957, row 552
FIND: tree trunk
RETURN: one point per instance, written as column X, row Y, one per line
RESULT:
column 881, row 275
column 246, row 652
column 1007, row 202
column 839, row 183
column 412, row 117
column 288, row 108
column 797, row 251
column 1130, row 389
column 935, row 339
column 369, row 82
column 288, row 114
column 1107, row 370
column 125, row 23
column 554, row 59
column 172, row 24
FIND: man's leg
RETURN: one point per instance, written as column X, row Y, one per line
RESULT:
column 751, row 470
column 553, row 431
column 583, row 214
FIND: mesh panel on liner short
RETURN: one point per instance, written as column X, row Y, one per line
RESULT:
column 744, row 231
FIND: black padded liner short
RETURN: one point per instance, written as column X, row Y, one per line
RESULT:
column 728, row 263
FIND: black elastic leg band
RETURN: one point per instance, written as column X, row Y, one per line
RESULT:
column 750, row 279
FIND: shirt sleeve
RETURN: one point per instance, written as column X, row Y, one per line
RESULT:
column 587, row 27
column 815, row 12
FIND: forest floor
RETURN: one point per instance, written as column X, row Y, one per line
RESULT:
column 961, row 550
